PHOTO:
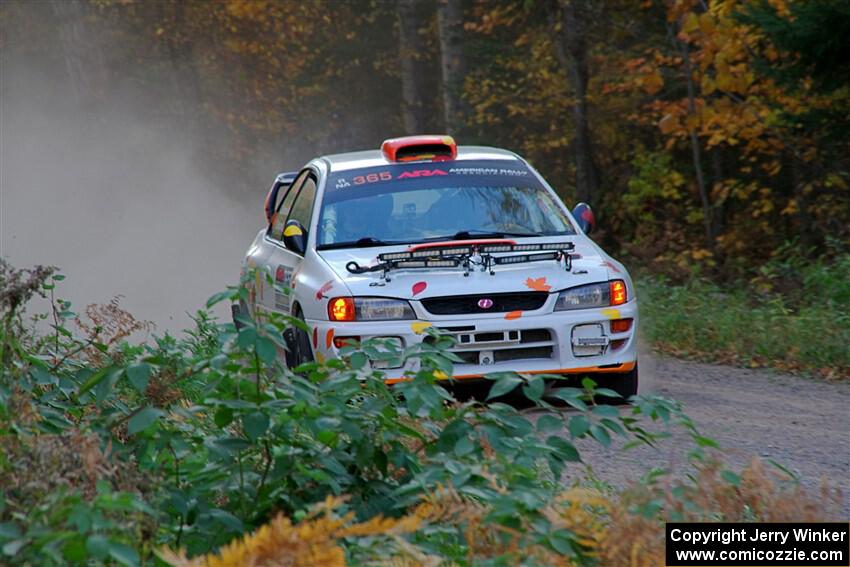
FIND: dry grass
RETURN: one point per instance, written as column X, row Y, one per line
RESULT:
column 610, row 532
column 635, row 540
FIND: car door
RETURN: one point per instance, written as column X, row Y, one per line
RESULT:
column 282, row 263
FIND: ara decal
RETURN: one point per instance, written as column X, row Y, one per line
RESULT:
column 326, row 287
column 422, row 172
column 611, row 313
column 320, row 357
column 419, row 327
column 315, row 337
column 511, row 315
column 537, row 284
column 329, row 338
column 419, row 287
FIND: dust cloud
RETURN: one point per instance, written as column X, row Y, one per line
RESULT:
column 120, row 205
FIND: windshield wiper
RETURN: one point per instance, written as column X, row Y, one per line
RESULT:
column 365, row 242
column 470, row 234
column 477, row 233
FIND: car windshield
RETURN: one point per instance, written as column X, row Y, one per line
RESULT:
column 409, row 203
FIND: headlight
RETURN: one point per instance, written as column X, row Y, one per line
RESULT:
column 368, row 309
column 594, row 295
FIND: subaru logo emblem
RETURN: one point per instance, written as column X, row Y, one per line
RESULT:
column 485, row 303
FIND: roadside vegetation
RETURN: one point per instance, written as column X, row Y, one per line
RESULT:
column 794, row 315
column 204, row 450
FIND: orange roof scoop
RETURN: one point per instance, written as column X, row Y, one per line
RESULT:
column 434, row 147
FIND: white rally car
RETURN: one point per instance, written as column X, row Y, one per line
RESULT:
column 470, row 240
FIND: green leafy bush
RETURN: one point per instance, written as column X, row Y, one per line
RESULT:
column 112, row 451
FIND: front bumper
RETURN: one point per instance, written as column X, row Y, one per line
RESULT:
column 556, row 342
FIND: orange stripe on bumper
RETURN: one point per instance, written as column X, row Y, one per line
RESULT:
column 624, row 367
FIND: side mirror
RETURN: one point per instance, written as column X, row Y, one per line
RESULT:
column 584, row 217
column 295, row 237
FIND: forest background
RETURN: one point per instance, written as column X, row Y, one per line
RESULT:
column 711, row 138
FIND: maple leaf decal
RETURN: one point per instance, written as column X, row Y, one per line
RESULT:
column 537, row 284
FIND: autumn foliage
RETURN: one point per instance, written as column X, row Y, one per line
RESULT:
column 706, row 134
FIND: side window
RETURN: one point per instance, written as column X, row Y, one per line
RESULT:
column 279, row 218
column 302, row 209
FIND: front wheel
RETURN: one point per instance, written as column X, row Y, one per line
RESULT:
column 298, row 350
column 625, row 383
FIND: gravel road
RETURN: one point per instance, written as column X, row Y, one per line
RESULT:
column 802, row 423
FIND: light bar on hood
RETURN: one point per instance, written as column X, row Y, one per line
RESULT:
column 447, row 263
column 435, row 252
column 492, row 248
column 426, row 253
column 523, row 258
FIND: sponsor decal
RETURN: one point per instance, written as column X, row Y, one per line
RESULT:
column 341, row 183
column 326, row 287
column 282, row 276
column 488, row 171
column 608, row 264
column 591, row 341
column 422, row 173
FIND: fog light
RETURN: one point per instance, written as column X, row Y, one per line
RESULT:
column 340, row 342
column 621, row 325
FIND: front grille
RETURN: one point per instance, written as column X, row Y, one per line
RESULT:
column 522, row 353
column 473, row 356
column 503, row 346
column 468, row 304
column 535, row 336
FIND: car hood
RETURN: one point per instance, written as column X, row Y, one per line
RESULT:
column 434, row 282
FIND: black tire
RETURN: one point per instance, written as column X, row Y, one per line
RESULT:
column 298, row 350
column 625, row 384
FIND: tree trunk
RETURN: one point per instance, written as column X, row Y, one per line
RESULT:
column 185, row 81
column 720, row 208
column 804, row 218
column 571, row 47
column 452, row 62
column 413, row 73
column 83, row 58
column 696, row 152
